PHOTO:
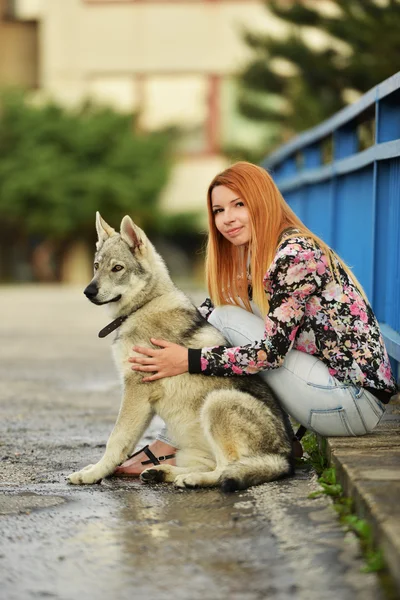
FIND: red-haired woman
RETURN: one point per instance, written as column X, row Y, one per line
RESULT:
column 290, row 309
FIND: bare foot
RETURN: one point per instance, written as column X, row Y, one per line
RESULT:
column 133, row 466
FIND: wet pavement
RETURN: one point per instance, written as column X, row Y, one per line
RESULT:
column 59, row 396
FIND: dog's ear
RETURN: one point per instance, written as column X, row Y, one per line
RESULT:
column 104, row 231
column 132, row 234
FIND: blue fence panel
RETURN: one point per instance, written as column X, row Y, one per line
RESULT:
column 353, row 224
column 387, row 269
column 296, row 203
column 353, row 203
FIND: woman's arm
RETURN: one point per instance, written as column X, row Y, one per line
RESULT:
column 297, row 271
column 167, row 360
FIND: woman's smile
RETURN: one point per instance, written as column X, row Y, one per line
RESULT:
column 234, row 232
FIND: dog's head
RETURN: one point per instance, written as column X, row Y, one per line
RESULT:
column 123, row 263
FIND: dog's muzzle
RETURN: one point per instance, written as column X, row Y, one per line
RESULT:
column 91, row 291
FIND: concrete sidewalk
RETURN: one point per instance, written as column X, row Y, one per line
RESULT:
column 368, row 468
column 59, row 397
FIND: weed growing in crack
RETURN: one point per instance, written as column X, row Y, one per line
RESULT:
column 344, row 506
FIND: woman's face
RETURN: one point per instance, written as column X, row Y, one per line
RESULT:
column 231, row 216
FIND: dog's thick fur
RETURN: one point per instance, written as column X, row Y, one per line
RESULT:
column 231, row 431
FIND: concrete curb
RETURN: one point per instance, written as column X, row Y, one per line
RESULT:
column 368, row 468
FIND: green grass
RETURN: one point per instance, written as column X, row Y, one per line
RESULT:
column 343, row 505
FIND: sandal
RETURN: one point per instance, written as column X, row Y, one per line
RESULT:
column 153, row 458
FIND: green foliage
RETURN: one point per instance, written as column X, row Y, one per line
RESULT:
column 319, row 78
column 343, row 505
column 58, row 166
column 177, row 223
column 329, row 485
column 316, row 458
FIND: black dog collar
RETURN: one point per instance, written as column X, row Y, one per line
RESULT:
column 112, row 326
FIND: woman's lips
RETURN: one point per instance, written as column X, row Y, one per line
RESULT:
column 234, row 231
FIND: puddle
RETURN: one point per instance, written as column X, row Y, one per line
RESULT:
column 26, row 502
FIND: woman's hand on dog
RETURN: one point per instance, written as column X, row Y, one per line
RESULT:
column 171, row 360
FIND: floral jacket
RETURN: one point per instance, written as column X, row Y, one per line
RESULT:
column 310, row 312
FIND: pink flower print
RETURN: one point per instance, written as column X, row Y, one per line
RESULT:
column 313, row 306
column 332, row 371
column 304, row 291
column 321, row 268
column 363, row 316
column 307, row 255
column 237, row 370
column 288, row 310
column 293, row 333
column 231, row 356
column 385, row 373
column 311, row 266
column 290, row 250
column 332, row 291
column 270, row 327
column 306, row 342
column 355, row 309
column 296, row 273
column 203, row 363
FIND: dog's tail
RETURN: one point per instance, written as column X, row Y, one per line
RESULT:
column 254, row 471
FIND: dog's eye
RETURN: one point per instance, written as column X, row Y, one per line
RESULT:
column 96, row 266
column 117, row 268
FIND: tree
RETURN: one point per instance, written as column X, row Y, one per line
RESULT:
column 364, row 50
column 58, row 166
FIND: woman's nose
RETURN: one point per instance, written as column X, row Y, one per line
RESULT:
column 228, row 217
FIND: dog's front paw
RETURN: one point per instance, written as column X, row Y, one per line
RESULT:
column 191, row 480
column 152, row 476
column 85, row 476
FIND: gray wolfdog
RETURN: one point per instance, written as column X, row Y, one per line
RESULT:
column 230, row 431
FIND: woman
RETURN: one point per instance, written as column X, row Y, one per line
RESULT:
column 290, row 309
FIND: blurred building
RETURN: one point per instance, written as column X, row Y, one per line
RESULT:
column 172, row 60
column 19, row 56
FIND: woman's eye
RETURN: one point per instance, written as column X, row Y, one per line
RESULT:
column 117, row 268
column 240, row 203
column 217, row 210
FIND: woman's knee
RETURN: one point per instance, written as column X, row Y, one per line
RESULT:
column 225, row 314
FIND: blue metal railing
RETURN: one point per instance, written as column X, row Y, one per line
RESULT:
column 342, row 178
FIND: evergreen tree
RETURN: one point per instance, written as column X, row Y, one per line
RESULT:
column 320, row 79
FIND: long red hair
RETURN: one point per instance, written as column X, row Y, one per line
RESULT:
column 270, row 216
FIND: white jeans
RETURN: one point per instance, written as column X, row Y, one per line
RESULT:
column 303, row 384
